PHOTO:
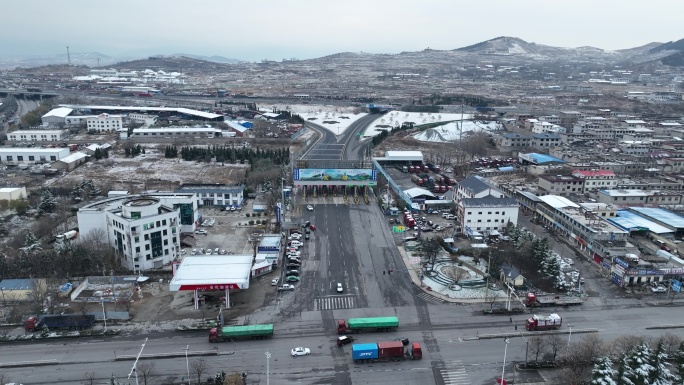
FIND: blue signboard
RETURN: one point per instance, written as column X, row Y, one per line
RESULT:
column 338, row 175
column 676, row 286
column 278, row 210
column 621, row 263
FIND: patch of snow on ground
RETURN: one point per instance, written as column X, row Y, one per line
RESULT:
column 515, row 48
column 397, row 118
column 343, row 116
column 449, row 131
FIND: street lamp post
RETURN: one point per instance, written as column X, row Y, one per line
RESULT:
column 104, row 314
column 569, row 335
column 268, row 372
column 134, row 369
column 503, row 370
column 527, row 346
column 187, row 364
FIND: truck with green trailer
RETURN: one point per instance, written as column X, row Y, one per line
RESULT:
column 231, row 333
column 375, row 324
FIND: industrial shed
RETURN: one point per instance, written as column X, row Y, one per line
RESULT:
column 57, row 115
column 20, row 290
column 71, row 162
column 16, row 155
column 12, row 193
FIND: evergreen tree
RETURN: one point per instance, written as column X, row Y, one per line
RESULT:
column 661, row 374
column 30, row 244
column 640, row 368
column 47, row 202
column 98, row 154
column 603, row 372
column 679, row 362
column 621, row 377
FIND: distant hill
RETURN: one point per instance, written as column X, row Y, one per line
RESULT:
column 214, row 58
column 170, row 63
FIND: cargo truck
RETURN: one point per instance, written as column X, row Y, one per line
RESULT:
column 376, row 324
column 230, row 333
column 550, row 300
column 434, row 168
column 385, row 351
column 544, row 322
column 55, row 322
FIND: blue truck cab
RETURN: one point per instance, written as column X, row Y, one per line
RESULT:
column 364, row 351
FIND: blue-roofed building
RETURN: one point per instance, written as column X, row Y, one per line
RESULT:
column 631, row 221
column 13, row 290
column 538, row 159
column 238, row 129
column 662, row 217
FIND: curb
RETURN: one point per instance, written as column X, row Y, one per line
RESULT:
column 665, row 326
column 541, row 333
column 22, row 364
column 168, row 355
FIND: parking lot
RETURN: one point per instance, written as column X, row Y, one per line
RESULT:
column 229, row 231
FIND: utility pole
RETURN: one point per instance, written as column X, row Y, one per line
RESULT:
column 503, row 371
column 268, row 371
column 135, row 364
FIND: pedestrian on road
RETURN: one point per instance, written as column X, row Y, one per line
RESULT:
column 510, row 319
column 516, row 327
column 383, row 272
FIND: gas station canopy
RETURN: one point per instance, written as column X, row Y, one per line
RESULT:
column 212, row 272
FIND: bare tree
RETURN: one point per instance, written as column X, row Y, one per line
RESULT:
column 89, row 378
column 147, row 371
column 555, row 343
column 38, row 293
column 624, row 344
column 199, row 367
column 4, row 378
column 579, row 358
column 671, row 343
column 537, row 346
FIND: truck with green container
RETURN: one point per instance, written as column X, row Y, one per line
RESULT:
column 231, row 333
column 375, row 324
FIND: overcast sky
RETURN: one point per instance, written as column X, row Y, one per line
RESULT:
column 275, row 29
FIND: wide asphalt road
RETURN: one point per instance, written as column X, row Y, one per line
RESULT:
column 344, row 146
column 451, row 355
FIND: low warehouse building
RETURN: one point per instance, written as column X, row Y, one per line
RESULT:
column 71, row 162
column 18, row 155
column 12, row 193
column 36, row 135
column 18, row 290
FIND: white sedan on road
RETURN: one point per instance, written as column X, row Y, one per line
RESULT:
column 300, row 352
column 309, row 207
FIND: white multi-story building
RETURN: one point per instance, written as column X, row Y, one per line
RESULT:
column 486, row 214
column 144, row 230
column 475, row 187
column 215, row 194
column 105, row 122
column 36, row 135
column 596, row 179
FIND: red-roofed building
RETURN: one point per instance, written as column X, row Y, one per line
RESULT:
column 596, row 179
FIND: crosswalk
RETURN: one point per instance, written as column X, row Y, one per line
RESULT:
column 454, row 373
column 430, row 298
column 335, row 302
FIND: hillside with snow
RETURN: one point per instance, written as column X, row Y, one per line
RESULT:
column 450, row 131
column 397, row 118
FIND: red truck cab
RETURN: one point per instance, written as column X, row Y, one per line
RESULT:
column 416, row 351
column 341, row 326
column 31, row 324
column 213, row 335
